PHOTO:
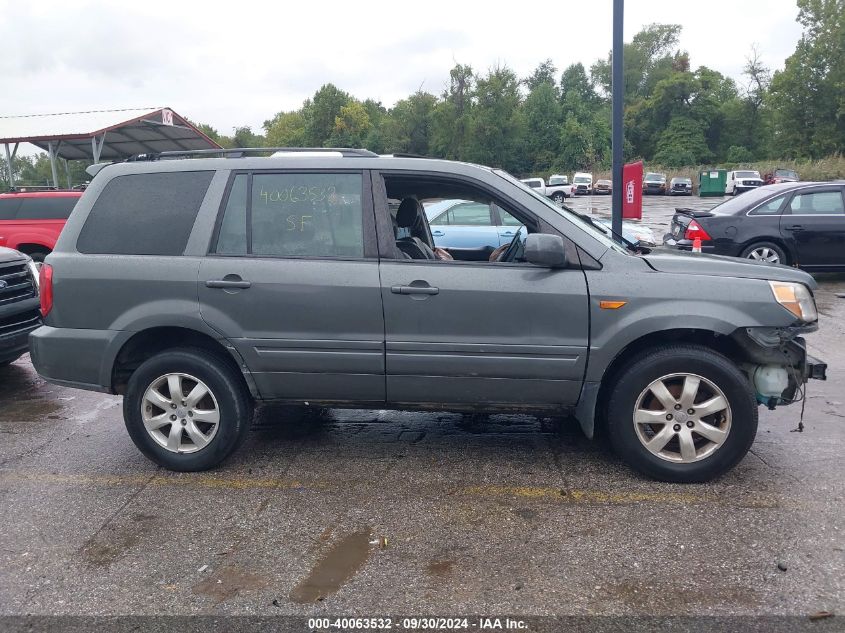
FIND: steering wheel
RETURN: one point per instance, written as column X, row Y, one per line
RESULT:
column 509, row 254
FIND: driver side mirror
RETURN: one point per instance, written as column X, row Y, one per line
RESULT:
column 545, row 250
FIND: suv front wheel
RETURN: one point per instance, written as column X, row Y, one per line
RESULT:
column 187, row 409
column 682, row 414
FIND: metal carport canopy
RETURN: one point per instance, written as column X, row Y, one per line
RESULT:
column 102, row 135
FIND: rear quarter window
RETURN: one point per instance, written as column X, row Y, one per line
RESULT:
column 144, row 214
column 47, row 208
column 9, row 208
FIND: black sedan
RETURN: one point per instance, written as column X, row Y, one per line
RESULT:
column 798, row 224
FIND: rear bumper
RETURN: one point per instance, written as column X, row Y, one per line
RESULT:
column 75, row 358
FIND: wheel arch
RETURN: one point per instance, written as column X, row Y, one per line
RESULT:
column 30, row 247
column 592, row 408
column 146, row 343
column 777, row 240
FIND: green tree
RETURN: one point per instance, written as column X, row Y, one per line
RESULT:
column 320, row 114
column 543, row 74
column 497, row 129
column 451, row 116
column 542, row 126
column 351, row 126
column 682, row 143
column 286, row 129
column 808, row 95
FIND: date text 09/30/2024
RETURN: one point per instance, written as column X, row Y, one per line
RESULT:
column 416, row 624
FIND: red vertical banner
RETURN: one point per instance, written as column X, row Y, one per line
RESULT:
column 632, row 190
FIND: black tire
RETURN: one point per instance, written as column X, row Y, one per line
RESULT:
column 558, row 197
column 233, row 401
column 778, row 250
column 694, row 359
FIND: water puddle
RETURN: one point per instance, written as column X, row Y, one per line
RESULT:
column 335, row 569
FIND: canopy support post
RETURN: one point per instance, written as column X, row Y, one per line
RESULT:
column 67, row 172
column 97, row 148
column 52, row 152
column 10, row 156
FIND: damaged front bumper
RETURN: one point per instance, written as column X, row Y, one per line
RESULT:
column 777, row 362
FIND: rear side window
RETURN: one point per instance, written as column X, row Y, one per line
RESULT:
column 145, row 214
column 47, row 208
column 294, row 215
column 772, row 207
column 9, row 208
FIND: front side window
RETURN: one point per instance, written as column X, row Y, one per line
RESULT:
column 508, row 219
column 293, row 215
column 817, row 203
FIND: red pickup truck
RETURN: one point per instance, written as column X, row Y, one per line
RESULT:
column 30, row 221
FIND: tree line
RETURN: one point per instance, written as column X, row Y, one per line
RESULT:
column 559, row 121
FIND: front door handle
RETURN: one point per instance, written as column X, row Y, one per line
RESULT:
column 438, row 233
column 414, row 290
column 227, row 283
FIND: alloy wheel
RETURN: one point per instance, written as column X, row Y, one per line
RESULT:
column 682, row 418
column 180, row 413
column 765, row 254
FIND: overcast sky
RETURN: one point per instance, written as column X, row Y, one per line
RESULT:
column 238, row 63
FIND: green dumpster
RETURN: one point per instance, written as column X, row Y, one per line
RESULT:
column 711, row 182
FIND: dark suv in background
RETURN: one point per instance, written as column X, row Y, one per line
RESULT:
column 197, row 287
column 19, row 313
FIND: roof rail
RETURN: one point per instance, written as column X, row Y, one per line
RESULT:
column 239, row 152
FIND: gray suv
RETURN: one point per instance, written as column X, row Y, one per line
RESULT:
column 196, row 286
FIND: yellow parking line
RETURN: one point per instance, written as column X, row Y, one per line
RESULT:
column 202, row 481
column 617, row 497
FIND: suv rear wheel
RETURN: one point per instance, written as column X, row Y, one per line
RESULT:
column 187, row 409
column 682, row 414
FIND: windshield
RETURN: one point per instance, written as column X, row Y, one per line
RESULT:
column 557, row 180
column 594, row 232
column 747, row 174
column 534, row 184
column 682, row 181
column 581, row 179
column 655, row 177
column 786, row 173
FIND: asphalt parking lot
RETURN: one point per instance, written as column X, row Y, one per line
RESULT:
column 376, row 512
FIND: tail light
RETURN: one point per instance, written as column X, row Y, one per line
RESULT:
column 45, row 281
column 694, row 230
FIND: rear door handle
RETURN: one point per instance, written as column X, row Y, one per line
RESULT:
column 414, row 290
column 227, row 283
column 438, row 233
column 795, row 227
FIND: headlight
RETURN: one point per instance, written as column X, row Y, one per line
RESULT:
column 796, row 298
column 33, row 270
